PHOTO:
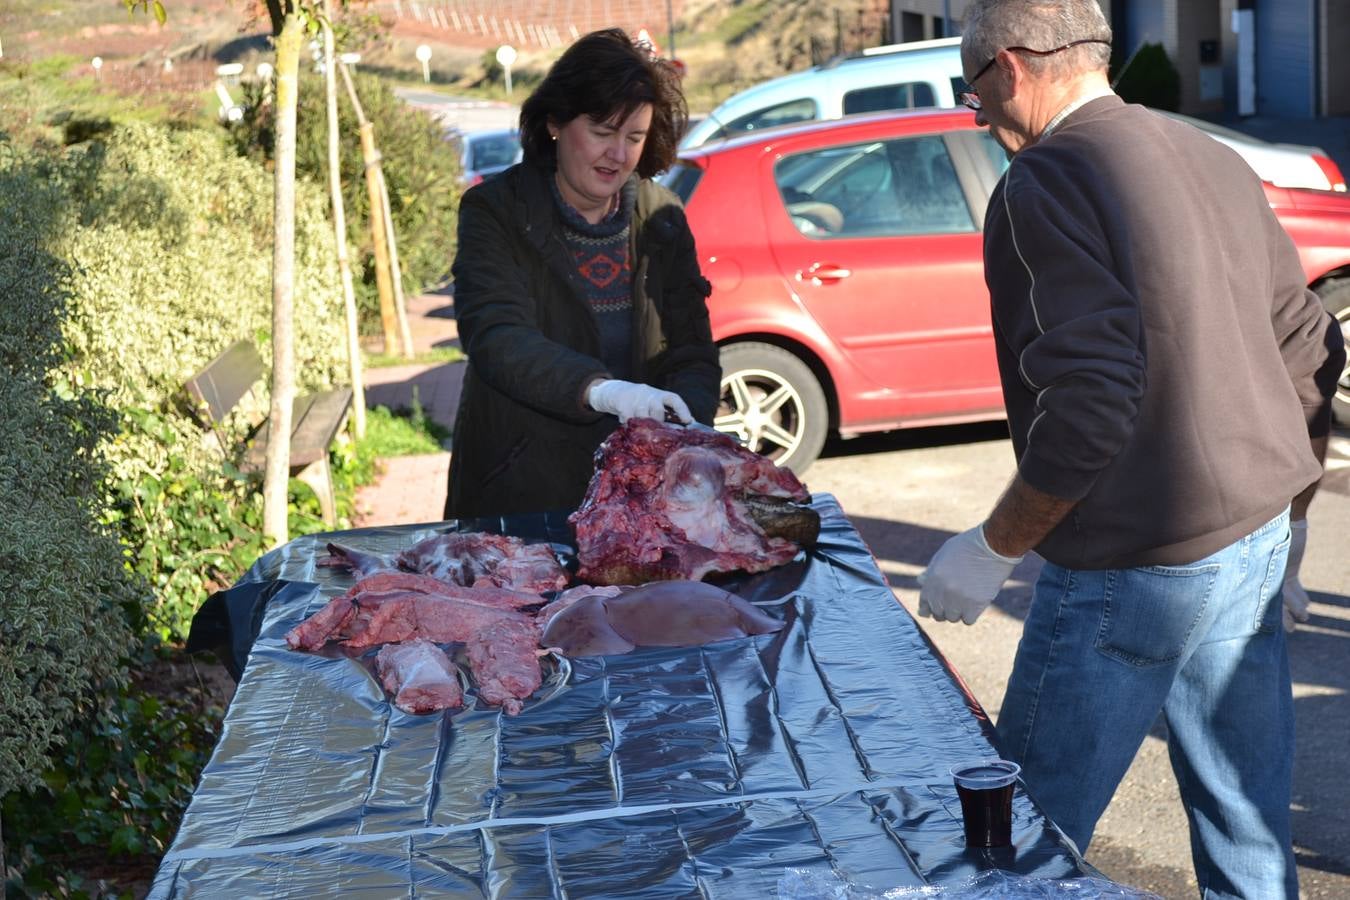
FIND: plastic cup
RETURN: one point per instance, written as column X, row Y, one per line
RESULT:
column 986, row 788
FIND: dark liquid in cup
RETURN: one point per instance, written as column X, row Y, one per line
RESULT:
column 987, row 814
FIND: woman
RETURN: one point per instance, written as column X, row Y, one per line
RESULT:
column 577, row 288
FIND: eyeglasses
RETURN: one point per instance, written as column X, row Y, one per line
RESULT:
column 970, row 97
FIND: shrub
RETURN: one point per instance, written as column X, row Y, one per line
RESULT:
column 1151, row 79
column 421, row 170
column 67, row 594
column 169, row 236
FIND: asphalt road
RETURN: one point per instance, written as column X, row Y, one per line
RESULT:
column 907, row 492
column 462, row 113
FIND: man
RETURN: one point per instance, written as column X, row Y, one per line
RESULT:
column 1167, row 378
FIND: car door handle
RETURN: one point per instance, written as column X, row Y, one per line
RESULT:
column 824, row 273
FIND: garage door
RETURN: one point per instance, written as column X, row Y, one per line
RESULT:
column 1284, row 58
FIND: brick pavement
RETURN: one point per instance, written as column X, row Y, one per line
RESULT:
column 411, row 489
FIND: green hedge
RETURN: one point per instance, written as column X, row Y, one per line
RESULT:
column 421, row 170
column 1150, row 78
column 68, row 597
column 169, row 234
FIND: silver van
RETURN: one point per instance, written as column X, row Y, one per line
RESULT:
column 896, row 76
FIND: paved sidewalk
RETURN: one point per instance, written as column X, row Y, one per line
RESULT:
column 411, row 489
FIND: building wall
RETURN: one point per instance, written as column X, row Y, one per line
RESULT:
column 1197, row 56
column 1335, row 58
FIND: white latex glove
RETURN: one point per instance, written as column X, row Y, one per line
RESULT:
column 1295, row 597
column 632, row 401
column 963, row 578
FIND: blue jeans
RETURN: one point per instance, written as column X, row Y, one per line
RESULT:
column 1103, row 652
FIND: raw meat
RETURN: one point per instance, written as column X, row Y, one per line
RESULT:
column 504, row 660
column 660, row 614
column 470, row 559
column 358, row 562
column 572, row 595
column 400, row 607
column 419, row 676
column 672, row 502
column 496, row 560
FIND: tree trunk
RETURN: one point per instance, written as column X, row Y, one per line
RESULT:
column 340, row 228
column 378, row 232
column 277, row 473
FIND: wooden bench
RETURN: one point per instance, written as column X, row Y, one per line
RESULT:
column 216, row 391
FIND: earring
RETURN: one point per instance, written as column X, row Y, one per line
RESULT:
column 553, row 137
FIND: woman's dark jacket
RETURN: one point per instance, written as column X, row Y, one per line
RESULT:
column 524, row 438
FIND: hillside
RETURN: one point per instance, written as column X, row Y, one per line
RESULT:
column 726, row 44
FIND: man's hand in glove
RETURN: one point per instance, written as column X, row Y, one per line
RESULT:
column 963, row 578
column 632, row 401
column 1295, row 597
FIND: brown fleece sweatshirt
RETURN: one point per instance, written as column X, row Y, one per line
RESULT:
column 1162, row 360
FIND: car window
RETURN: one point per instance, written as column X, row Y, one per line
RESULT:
column 889, row 96
column 682, row 178
column 491, row 152
column 782, row 114
column 997, row 155
column 879, row 188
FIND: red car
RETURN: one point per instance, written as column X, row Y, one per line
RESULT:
column 848, row 282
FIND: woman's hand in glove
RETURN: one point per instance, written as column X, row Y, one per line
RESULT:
column 628, row 400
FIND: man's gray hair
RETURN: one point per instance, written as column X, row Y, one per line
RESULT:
column 991, row 25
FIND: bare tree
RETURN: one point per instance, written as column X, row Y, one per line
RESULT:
column 276, row 474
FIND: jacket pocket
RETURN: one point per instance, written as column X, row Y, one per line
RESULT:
column 1149, row 613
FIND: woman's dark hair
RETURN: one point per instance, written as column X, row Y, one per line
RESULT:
column 605, row 75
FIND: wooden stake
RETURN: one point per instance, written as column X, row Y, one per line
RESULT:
column 378, row 230
column 340, row 231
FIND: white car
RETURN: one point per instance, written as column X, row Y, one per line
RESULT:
column 928, row 73
column 1283, row 165
column 896, row 76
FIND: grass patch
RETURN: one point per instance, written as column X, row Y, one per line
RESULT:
column 433, row 357
column 47, row 103
column 740, row 22
column 402, row 432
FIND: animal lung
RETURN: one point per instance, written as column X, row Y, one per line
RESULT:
column 660, row 614
column 672, row 502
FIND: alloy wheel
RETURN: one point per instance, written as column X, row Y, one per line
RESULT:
column 763, row 411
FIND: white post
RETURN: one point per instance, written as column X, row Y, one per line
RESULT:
column 424, row 56
column 506, row 55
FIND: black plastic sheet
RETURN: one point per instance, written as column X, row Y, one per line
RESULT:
column 667, row 772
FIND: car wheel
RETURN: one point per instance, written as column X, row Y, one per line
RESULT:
column 1336, row 298
column 772, row 403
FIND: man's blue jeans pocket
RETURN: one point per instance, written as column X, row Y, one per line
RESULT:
column 1270, row 601
column 1150, row 613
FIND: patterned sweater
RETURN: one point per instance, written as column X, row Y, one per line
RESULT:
column 601, row 252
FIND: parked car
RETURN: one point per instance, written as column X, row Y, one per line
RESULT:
column 848, row 288
column 1283, row 165
column 928, row 73
column 896, row 76
column 483, row 154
